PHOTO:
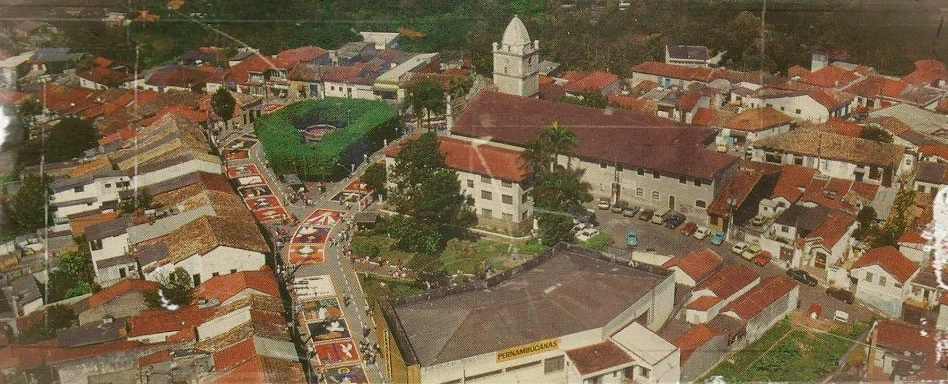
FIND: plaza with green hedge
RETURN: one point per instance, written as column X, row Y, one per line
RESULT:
column 361, row 126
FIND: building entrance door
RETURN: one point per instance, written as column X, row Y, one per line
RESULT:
column 671, row 202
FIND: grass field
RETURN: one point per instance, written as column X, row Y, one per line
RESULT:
column 789, row 353
column 468, row 256
column 375, row 286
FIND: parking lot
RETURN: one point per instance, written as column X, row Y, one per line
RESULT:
column 671, row 242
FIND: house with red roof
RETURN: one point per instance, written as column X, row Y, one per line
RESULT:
column 701, row 348
column 595, row 81
column 903, row 353
column 763, row 306
column 493, row 174
column 121, row 300
column 757, row 123
column 717, row 291
column 882, row 275
column 828, row 244
column 912, row 244
column 791, row 183
column 694, row 267
column 800, row 101
column 181, row 78
column 106, row 74
column 928, row 72
column 233, row 286
column 830, row 76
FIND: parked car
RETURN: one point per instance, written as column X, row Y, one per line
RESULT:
column 841, row 295
column 675, row 220
column 603, row 203
column 619, row 206
column 586, row 216
column 660, row 219
column 751, row 252
column 578, row 226
column 739, row 248
column 631, row 237
column 717, row 238
column 585, row 234
column 689, row 228
column 646, row 214
column 763, row 259
column 701, row 233
column 631, row 210
column 801, row 276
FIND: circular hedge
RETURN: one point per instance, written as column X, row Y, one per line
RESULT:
column 364, row 124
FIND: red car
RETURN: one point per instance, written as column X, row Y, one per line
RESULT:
column 689, row 228
column 762, row 259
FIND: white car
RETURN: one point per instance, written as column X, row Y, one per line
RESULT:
column 604, row 204
column 740, row 247
column 701, row 233
column 586, row 234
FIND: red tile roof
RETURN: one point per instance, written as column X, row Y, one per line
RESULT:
column 26, row 357
column 11, row 98
column 903, row 337
column 697, row 265
column 694, row 338
column 235, row 354
column 261, row 370
column 78, row 225
column 797, row 71
column 177, row 110
column 688, row 101
column 820, row 191
column 708, row 117
column 830, row 98
column 926, row 71
column 162, row 321
column 758, row 119
column 223, row 287
column 107, row 76
column 842, row 127
column 611, row 135
column 912, row 237
column 301, row 54
column 761, row 297
column 890, row 260
column 120, row 289
column 739, row 187
column 878, row 86
column 598, row 357
column 480, row 158
column 829, row 76
column 628, row 102
column 832, row 229
column 182, row 76
column 940, row 150
column 596, row 81
column 703, row 303
column 728, row 280
column 155, row 358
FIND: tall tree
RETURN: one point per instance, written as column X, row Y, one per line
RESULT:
column 426, row 96
column 428, row 196
column 223, row 104
column 174, row 289
column 374, row 178
column 556, row 194
column 28, row 203
column 57, row 317
column 28, row 110
column 545, row 148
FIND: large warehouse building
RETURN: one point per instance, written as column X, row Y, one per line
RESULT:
column 568, row 316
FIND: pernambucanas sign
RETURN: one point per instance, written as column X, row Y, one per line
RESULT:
column 527, row 349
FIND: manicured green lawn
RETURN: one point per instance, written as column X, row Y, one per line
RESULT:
column 468, row 256
column 375, row 286
column 788, row 353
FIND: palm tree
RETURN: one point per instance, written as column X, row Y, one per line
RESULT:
column 561, row 140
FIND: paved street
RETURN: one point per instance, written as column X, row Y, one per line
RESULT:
column 671, row 242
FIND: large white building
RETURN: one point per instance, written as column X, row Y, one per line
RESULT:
column 545, row 321
column 517, row 61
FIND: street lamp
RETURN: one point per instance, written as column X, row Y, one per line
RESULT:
column 731, row 204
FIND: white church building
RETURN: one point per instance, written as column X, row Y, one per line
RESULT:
column 517, row 61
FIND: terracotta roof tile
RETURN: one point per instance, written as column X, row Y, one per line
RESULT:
column 674, row 71
column 832, row 229
column 708, row 117
column 629, row 102
column 208, row 232
column 155, row 358
column 688, row 101
column 728, row 280
column 694, row 338
column 797, row 71
column 878, row 86
column 760, row 297
column 262, row 370
column 698, row 265
column 830, row 98
column 163, row 321
column 594, row 81
column 224, row 287
column 890, row 260
column 739, row 187
column 837, row 147
column 11, row 98
column 598, row 357
column 940, row 150
column 926, row 71
column 758, row 119
column 839, row 127
column 612, row 135
column 78, row 225
column 703, row 303
column 829, row 76
column 120, row 289
column 913, row 237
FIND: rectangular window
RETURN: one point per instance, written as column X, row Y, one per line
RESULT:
column 798, row 111
column 524, row 215
column 640, row 192
column 683, row 180
column 641, row 171
column 506, row 216
column 121, row 272
column 215, row 274
column 482, row 376
column 552, row 365
column 656, row 195
column 522, row 366
column 506, row 199
column 108, row 185
column 233, row 271
column 784, row 229
column 644, row 372
column 701, row 204
column 196, row 278
column 470, row 183
column 95, row 245
column 697, row 182
column 602, row 165
column 798, row 160
column 618, row 167
column 486, row 195
column 868, row 277
column 656, row 175
column 506, row 184
column 882, row 281
column 79, row 189
column 487, row 212
column 485, row 179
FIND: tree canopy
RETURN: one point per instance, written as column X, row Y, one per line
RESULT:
column 223, row 104
column 175, row 288
column 27, row 206
column 66, row 140
column 74, row 274
column 427, row 196
column 426, row 96
column 374, row 177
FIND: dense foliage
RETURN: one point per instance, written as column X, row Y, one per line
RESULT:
column 27, row 206
column 174, row 289
column 426, row 97
column 361, row 123
column 57, row 317
column 74, row 274
column 375, row 178
column 427, row 195
column 66, row 140
column 223, row 104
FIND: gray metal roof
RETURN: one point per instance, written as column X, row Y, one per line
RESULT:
column 688, row 52
column 109, row 228
column 51, row 54
column 92, row 333
column 166, row 225
column 151, row 253
column 111, row 262
column 26, row 289
column 803, row 218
